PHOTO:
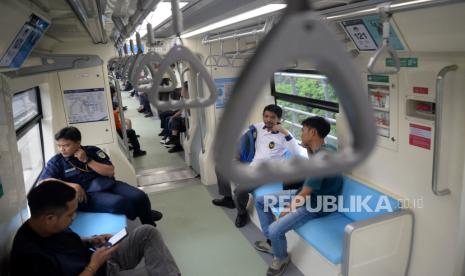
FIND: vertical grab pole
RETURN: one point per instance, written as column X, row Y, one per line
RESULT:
column 123, row 122
column 437, row 128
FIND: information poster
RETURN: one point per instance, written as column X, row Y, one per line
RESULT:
column 420, row 136
column 224, row 87
column 24, row 42
column 86, row 105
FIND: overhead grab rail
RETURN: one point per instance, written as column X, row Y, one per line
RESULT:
column 180, row 53
column 385, row 14
column 318, row 43
column 437, row 128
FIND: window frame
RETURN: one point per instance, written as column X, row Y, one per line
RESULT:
column 36, row 120
column 306, row 101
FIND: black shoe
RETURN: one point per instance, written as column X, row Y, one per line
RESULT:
column 130, row 147
column 241, row 220
column 156, row 216
column 139, row 153
column 224, row 202
column 162, row 133
column 176, row 148
column 141, row 110
column 125, row 108
column 148, row 115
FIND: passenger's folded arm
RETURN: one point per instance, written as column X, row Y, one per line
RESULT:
column 102, row 169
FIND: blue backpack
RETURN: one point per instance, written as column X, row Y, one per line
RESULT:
column 247, row 145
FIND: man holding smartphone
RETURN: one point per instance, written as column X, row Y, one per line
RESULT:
column 272, row 142
column 44, row 245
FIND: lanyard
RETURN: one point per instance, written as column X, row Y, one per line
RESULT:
column 76, row 167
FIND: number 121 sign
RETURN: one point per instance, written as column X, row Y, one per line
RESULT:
column 360, row 35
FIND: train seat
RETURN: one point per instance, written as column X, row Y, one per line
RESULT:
column 87, row 224
column 348, row 231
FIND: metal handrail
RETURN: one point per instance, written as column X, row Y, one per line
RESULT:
column 437, row 128
column 180, row 53
column 298, row 23
column 386, row 48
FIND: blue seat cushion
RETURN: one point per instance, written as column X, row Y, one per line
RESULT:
column 352, row 188
column 88, row 224
column 326, row 235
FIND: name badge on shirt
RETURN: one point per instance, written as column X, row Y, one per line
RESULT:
column 70, row 170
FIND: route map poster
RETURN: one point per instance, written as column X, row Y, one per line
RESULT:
column 86, row 105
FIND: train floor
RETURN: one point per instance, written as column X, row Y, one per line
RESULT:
column 201, row 237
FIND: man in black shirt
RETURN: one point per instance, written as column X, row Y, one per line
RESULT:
column 44, row 245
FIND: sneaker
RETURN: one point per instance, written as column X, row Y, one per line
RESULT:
column 148, row 115
column 224, row 202
column 278, row 267
column 263, row 246
column 241, row 220
column 176, row 148
column 156, row 216
column 164, row 140
column 141, row 110
column 139, row 153
column 162, row 133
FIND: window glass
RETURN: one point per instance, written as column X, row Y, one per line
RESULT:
column 25, row 107
column 307, row 85
column 294, row 114
column 30, row 148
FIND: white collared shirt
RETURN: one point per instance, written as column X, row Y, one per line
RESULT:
column 273, row 145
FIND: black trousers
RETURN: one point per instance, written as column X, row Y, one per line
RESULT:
column 132, row 138
column 163, row 115
column 241, row 193
column 122, row 198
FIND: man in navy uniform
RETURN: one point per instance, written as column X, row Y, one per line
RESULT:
column 89, row 171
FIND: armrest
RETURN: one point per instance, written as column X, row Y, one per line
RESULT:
column 379, row 246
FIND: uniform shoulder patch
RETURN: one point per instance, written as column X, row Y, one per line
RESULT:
column 101, row 154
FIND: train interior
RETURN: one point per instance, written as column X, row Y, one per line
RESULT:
column 58, row 59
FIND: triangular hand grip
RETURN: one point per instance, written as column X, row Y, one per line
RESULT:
column 300, row 34
column 181, row 53
column 151, row 61
column 379, row 54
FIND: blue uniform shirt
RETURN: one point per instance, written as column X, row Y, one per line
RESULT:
column 70, row 169
column 324, row 186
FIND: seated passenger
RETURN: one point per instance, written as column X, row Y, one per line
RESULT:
column 272, row 141
column 130, row 133
column 176, row 124
column 314, row 131
column 44, row 245
column 89, row 171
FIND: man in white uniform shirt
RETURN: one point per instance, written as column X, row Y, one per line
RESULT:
column 272, row 142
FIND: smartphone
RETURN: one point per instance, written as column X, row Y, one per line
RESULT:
column 115, row 239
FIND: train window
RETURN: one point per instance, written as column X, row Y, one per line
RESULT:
column 27, row 115
column 304, row 93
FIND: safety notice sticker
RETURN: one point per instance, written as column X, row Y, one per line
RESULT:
column 420, row 136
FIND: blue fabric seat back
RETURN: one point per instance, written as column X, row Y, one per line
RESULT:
column 351, row 187
column 326, row 235
column 88, row 224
